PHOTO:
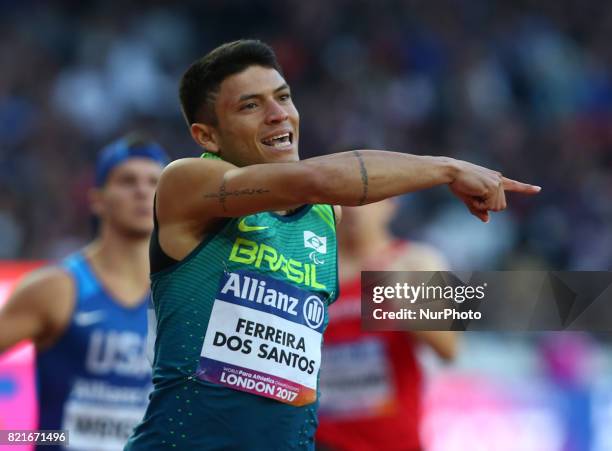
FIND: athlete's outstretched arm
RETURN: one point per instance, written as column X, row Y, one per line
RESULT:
column 36, row 309
column 386, row 174
column 198, row 190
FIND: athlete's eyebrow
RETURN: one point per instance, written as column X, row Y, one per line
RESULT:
column 282, row 88
column 256, row 96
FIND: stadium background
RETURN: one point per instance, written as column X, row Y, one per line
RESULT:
column 525, row 87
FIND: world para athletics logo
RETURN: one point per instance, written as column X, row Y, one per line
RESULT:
column 318, row 243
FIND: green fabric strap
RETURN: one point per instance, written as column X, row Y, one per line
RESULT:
column 212, row 156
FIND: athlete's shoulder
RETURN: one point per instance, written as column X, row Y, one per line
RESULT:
column 186, row 179
column 193, row 167
column 49, row 281
column 42, row 303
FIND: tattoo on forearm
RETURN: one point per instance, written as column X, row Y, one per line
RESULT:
column 223, row 194
column 364, row 177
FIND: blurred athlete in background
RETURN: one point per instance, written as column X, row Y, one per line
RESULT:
column 371, row 382
column 87, row 315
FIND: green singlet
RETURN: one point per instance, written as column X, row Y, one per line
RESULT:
column 239, row 334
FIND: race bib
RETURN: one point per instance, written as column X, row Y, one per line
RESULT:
column 356, row 380
column 101, row 417
column 264, row 337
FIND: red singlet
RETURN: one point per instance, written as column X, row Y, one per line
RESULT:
column 370, row 381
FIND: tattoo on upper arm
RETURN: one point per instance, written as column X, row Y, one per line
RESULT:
column 364, row 177
column 223, row 194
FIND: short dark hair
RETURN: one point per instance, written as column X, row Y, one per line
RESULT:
column 200, row 83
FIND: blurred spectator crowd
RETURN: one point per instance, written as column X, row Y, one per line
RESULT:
column 524, row 87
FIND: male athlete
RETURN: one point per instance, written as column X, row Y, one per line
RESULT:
column 244, row 257
column 87, row 315
column 371, row 381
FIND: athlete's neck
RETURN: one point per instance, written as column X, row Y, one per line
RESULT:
column 361, row 252
column 289, row 211
column 122, row 264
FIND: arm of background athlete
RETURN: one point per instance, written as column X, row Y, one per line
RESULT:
column 423, row 257
column 37, row 310
column 444, row 343
column 197, row 190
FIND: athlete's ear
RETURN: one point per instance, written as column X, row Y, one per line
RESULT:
column 205, row 136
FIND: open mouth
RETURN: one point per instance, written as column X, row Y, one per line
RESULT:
column 280, row 141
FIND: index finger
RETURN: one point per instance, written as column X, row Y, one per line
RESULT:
column 519, row 187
